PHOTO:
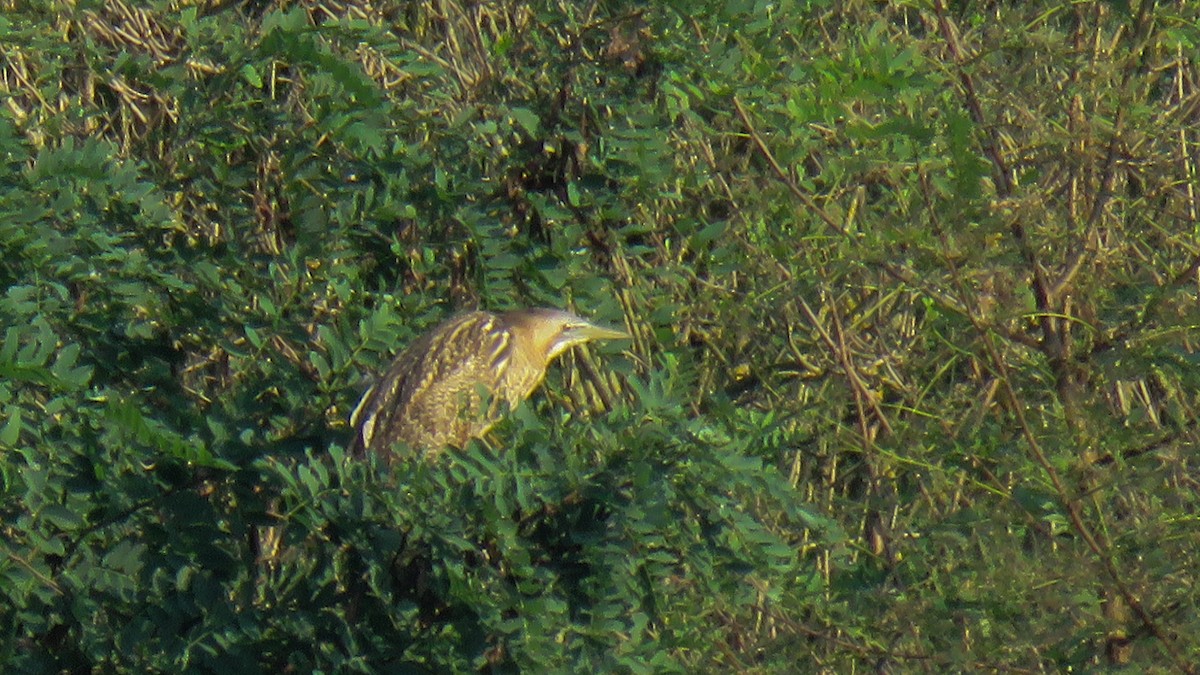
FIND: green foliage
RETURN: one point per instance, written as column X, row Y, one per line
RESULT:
column 913, row 381
column 632, row 552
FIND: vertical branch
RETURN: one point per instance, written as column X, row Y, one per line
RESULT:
column 1054, row 344
column 1119, row 592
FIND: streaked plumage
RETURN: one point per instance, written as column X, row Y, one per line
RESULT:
column 433, row 394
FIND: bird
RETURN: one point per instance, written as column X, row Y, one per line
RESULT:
column 451, row 384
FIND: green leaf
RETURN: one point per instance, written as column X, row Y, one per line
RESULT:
column 526, row 119
column 250, row 74
column 708, row 233
column 322, row 366
column 62, row 517
column 10, row 434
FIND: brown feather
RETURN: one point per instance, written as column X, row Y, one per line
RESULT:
column 433, row 395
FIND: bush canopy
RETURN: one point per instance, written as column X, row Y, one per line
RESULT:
column 912, row 285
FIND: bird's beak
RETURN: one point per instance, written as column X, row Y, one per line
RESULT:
column 586, row 331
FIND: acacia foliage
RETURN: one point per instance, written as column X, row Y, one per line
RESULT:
column 912, row 287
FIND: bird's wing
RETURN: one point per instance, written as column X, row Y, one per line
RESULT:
column 466, row 363
column 442, row 369
column 386, row 400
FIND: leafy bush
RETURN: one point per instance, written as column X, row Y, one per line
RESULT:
column 912, row 385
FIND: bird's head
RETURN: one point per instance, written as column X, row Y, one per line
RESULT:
column 551, row 332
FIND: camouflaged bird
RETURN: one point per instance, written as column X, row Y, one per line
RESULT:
column 433, row 395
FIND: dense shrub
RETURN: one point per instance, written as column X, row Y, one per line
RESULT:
column 913, row 383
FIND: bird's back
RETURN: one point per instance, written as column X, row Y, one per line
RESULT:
column 430, row 396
